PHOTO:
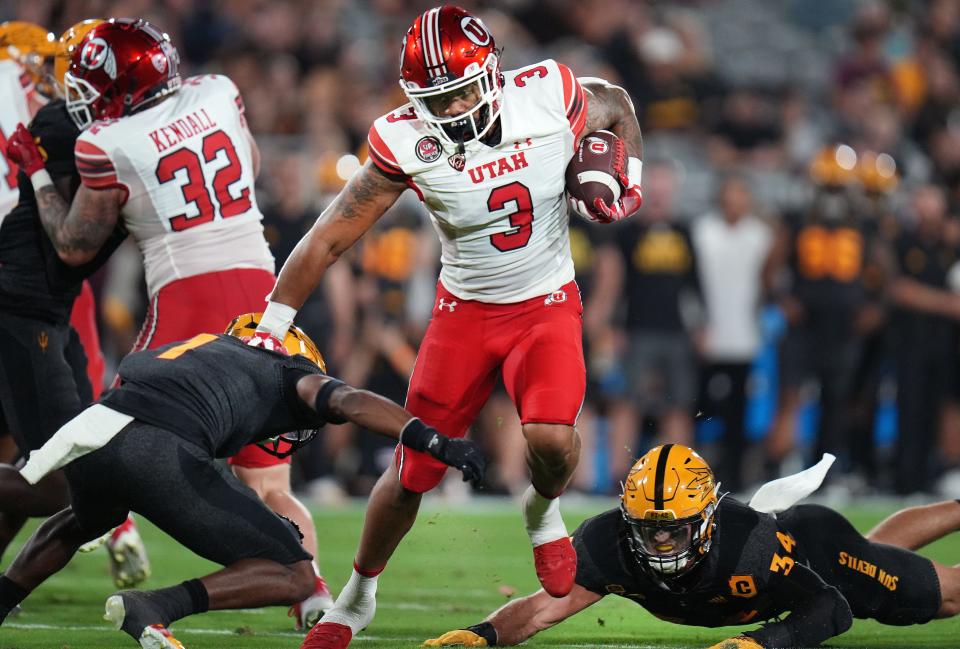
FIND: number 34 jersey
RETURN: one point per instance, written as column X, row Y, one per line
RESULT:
column 499, row 210
column 186, row 168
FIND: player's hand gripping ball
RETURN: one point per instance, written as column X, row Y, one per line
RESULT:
column 603, row 185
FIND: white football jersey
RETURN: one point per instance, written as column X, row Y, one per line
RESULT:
column 186, row 166
column 15, row 88
column 500, row 211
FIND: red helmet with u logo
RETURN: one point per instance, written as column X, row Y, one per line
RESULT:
column 449, row 55
column 117, row 67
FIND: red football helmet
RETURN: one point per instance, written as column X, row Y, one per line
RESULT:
column 117, row 67
column 450, row 57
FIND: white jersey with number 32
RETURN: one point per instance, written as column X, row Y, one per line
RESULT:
column 499, row 210
column 186, row 167
column 15, row 88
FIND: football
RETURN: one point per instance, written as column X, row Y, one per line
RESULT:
column 590, row 174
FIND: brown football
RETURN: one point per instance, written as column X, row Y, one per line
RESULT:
column 590, row 174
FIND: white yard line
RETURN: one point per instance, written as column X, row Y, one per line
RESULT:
column 184, row 632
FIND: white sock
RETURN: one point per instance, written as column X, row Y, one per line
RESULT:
column 356, row 604
column 542, row 517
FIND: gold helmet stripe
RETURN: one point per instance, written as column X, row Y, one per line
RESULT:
column 658, row 477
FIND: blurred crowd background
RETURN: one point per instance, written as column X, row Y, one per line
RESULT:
column 787, row 288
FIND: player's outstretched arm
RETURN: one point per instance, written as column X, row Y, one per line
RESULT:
column 818, row 612
column 518, row 620
column 358, row 206
column 338, row 403
column 77, row 230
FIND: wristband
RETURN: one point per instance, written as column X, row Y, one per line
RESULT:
column 322, row 402
column 40, row 179
column 486, row 631
column 634, row 171
column 276, row 319
column 417, row 435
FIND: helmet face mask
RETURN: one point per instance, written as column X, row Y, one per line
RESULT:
column 30, row 45
column 668, row 508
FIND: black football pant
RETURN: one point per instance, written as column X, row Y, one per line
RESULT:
column 182, row 490
column 879, row 581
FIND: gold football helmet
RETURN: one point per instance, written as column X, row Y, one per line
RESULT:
column 296, row 342
column 68, row 41
column 29, row 45
column 669, row 502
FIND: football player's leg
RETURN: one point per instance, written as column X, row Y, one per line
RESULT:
column 545, row 375
column 46, row 552
column 915, row 527
column 205, row 508
column 269, row 477
column 453, row 377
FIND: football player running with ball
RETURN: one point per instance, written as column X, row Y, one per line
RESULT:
column 486, row 152
column 693, row 556
column 150, row 445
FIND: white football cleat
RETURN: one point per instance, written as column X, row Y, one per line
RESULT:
column 128, row 556
column 309, row 611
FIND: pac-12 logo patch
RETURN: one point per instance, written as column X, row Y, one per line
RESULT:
column 597, row 146
column 458, row 161
column 428, row 148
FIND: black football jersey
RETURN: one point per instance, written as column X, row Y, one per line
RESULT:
column 215, row 391
column 752, row 573
column 34, row 283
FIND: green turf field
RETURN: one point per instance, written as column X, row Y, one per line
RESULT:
column 455, row 567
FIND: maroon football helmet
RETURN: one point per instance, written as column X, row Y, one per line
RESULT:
column 118, row 66
column 450, row 57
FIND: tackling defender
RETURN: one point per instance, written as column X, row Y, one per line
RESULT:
column 44, row 369
column 486, row 152
column 174, row 161
column 150, row 446
column 692, row 556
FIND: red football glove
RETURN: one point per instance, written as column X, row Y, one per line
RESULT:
column 266, row 340
column 628, row 173
column 25, row 151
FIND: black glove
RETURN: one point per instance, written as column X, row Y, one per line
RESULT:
column 461, row 454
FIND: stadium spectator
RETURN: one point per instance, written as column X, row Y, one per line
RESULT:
column 733, row 249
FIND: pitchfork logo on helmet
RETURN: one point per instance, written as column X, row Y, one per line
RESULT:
column 450, row 71
column 668, row 504
column 97, row 54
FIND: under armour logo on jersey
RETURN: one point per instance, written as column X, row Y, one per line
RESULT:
column 97, row 54
column 449, row 306
column 43, row 341
column 557, row 297
column 523, row 143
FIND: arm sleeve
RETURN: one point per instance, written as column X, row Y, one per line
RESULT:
column 382, row 157
column 818, row 612
column 589, row 574
column 574, row 100
column 94, row 166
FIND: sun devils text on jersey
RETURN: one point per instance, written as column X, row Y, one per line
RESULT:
column 498, row 209
column 186, row 167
